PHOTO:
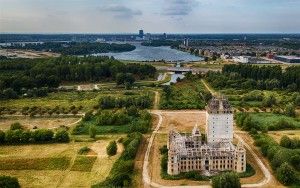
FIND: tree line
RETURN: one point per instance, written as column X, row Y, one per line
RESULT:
column 35, row 77
column 18, row 135
column 253, row 76
column 74, row 48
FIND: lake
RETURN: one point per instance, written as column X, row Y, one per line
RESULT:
column 149, row 53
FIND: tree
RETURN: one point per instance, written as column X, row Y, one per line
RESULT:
column 92, row 131
column 62, row 136
column 111, row 149
column 226, row 180
column 2, row 137
column 286, row 174
column 290, row 110
column 167, row 91
column 9, row 182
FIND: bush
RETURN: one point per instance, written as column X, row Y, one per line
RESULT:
column 285, row 141
column 290, row 110
column 92, row 131
column 84, row 150
column 286, row 174
column 16, row 126
column 111, row 149
column 62, row 136
column 9, row 182
column 226, row 180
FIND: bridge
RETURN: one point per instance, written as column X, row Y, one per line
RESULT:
column 179, row 70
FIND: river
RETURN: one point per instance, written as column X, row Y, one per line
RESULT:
column 149, row 53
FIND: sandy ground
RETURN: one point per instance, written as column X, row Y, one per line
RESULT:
column 29, row 123
column 61, row 178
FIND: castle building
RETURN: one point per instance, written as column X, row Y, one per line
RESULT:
column 192, row 152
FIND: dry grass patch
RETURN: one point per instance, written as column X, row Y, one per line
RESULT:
column 84, row 163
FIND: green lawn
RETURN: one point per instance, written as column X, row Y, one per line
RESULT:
column 84, row 163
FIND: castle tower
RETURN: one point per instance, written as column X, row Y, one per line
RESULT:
column 219, row 121
column 196, row 135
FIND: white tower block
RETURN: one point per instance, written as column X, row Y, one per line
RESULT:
column 219, row 121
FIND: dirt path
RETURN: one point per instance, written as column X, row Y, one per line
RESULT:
column 211, row 90
column 156, row 100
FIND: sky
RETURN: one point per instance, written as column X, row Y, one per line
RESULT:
column 153, row 16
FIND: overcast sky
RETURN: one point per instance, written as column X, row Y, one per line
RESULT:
column 154, row 16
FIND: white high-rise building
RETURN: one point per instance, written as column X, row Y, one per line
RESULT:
column 219, row 121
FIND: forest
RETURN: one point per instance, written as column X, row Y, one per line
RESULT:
column 256, row 77
column 74, row 48
column 20, row 75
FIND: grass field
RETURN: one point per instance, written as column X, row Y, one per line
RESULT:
column 58, row 165
column 86, row 99
column 269, row 119
column 84, row 163
column 185, row 95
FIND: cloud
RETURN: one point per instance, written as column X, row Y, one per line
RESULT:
column 179, row 7
column 120, row 11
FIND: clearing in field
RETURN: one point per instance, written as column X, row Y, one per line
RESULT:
column 58, row 165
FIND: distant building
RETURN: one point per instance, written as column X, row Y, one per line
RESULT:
column 164, row 36
column 241, row 59
column 141, row 33
column 287, row 59
column 270, row 55
column 189, row 152
column 186, row 42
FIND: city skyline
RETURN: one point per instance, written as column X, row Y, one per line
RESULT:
column 170, row 16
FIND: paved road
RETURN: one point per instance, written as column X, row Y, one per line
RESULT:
column 147, row 180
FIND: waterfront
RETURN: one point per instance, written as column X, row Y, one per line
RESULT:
column 146, row 53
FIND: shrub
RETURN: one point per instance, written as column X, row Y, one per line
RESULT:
column 111, row 149
column 286, row 174
column 62, row 136
column 290, row 110
column 88, row 116
column 16, row 126
column 9, row 182
column 84, row 150
column 285, row 141
column 92, row 131
column 226, row 180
